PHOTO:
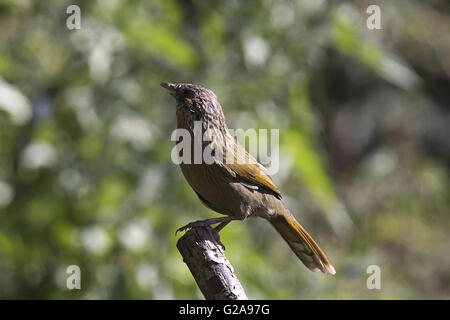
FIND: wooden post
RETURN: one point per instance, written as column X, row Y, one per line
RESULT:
column 202, row 252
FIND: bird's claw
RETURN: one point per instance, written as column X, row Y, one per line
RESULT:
column 217, row 238
column 180, row 229
column 183, row 228
column 192, row 225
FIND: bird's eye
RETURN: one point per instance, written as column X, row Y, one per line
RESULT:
column 188, row 93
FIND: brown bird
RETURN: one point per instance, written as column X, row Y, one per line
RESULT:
column 235, row 184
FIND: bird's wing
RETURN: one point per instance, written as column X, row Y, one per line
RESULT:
column 247, row 170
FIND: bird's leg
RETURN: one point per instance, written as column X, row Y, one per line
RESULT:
column 202, row 223
column 222, row 225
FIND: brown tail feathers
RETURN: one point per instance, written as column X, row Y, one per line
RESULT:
column 301, row 243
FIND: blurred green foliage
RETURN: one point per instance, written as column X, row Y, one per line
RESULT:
column 85, row 170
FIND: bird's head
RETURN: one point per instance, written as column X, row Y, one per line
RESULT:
column 183, row 91
column 195, row 103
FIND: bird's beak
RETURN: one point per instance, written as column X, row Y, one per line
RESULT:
column 169, row 86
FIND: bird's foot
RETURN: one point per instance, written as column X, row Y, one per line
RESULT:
column 203, row 223
column 190, row 225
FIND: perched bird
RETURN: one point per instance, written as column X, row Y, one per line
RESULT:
column 235, row 184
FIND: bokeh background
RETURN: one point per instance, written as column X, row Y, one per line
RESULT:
column 85, row 170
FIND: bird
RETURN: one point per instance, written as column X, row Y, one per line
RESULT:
column 235, row 184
